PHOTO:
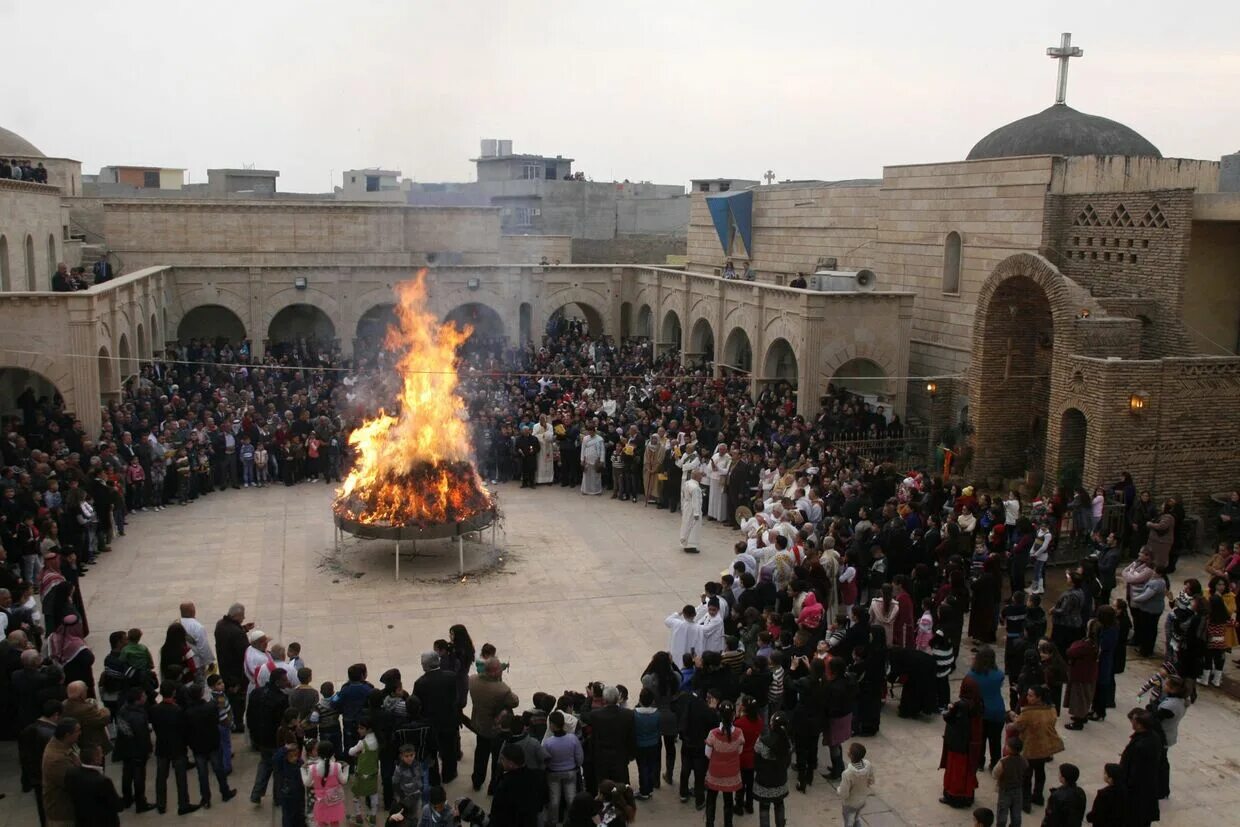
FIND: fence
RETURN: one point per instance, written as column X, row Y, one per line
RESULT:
column 910, row 448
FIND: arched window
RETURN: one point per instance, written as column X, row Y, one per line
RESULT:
column 30, row 282
column 4, row 264
column 951, row 263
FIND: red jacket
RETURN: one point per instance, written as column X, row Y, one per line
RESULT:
column 1083, row 662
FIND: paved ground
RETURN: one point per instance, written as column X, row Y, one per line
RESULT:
column 580, row 595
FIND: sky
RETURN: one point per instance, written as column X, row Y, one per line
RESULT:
column 656, row 91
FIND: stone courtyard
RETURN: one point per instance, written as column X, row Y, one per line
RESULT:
column 580, row 595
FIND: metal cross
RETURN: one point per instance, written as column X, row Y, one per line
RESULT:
column 769, row 177
column 1065, row 52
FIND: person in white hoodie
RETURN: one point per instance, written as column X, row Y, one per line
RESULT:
column 855, row 784
column 1040, row 554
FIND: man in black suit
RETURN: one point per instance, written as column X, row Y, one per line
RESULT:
column 95, row 802
column 614, row 739
column 436, row 689
column 103, row 271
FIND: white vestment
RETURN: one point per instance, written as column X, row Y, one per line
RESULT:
column 686, row 637
column 545, row 434
column 258, row 667
column 712, row 632
column 717, row 504
column 592, row 449
column 690, row 513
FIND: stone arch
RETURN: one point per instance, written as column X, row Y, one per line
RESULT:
column 485, row 320
column 1073, row 433
column 645, row 322
column 952, row 259
column 626, row 320
column 1024, row 318
column 109, row 386
column 590, row 301
column 14, row 380
column 281, row 300
column 143, row 353
column 670, row 334
column 297, row 321
column 372, row 325
column 738, row 351
column 213, row 322
column 124, row 358
column 207, row 295
column 30, row 276
column 780, row 362
column 5, row 284
column 701, row 341
column 863, row 377
column 525, row 322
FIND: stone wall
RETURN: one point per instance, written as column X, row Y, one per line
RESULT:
column 31, row 235
column 148, row 232
column 1212, row 288
column 1129, row 244
column 627, row 249
column 531, row 249
column 1122, row 173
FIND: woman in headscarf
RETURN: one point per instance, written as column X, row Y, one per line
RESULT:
column 987, row 592
column 68, row 650
column 962, row 746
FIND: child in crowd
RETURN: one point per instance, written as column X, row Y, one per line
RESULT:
column 1035, row 617
column 848, row 585
column 437, row 812
column 294, row 657
column 326, row 717
column 775, row 697
column 407, row 784
column 261, row 459
column 484, row 654
column 1155, row 685
column 925, row 626
column 1009, row 775
column 944, row 664
column 365, row 785
column 835, row 634
column 733, row 656
column 855, row 784
column 687, row 671
column 1066, row 803
column 289, row 789
column 136, row 654
column 225, row 719
column 765, row 645
column 983, row 817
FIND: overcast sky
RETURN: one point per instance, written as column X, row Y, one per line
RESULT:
column 662, row 91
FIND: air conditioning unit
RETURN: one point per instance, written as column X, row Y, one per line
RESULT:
column 843, row 281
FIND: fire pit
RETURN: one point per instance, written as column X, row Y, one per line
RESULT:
column 413, row 477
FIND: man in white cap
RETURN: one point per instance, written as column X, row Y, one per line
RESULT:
column 258, row 664
column 691, row 511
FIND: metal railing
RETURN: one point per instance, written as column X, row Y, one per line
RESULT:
column 909, row 448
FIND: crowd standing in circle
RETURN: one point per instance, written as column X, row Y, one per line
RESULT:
column 853, row 583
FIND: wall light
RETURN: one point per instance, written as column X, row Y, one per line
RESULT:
column 932, row 388
column 300, row 282
column 473, row 284
column 1138, row 401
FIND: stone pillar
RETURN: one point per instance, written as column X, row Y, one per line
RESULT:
column 254, row 316
column 810, row 381
column 84, row 368
column 758, row 343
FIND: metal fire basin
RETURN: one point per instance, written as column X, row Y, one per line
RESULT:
column 403, row 533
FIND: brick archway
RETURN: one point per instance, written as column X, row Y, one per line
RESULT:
column 1023, row 326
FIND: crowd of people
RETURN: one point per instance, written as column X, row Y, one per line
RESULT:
column 854, row 586
column 23, row 169
column 70, row 280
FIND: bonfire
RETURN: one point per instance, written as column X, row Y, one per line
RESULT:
column 414, row 466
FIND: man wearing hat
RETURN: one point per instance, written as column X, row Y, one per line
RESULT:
column 258, row 663
column 436, row 689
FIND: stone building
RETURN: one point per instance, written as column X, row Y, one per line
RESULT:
column 1078, row 296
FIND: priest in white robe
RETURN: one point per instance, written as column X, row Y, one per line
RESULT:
column 544, row 432
column 686, row 638
column 717, row 476
column 691, row 512
column 593, row 451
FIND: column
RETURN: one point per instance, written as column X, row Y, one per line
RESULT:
column 84, row 368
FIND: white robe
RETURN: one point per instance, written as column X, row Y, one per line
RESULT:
column 717, row 504
column 545, row 434
column 592, row 449
column 686, row 638
column 690, row 513
column 712, row 632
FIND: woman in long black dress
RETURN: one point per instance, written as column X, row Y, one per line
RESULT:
column 869, row 669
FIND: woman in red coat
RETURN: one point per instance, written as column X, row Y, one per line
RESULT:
column 724, row 746
column 1083, row 675
column 906, row 620
column 750, row 725
column 962, row 746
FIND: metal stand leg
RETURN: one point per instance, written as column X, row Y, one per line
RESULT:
column 398, row 559
column 460, row 552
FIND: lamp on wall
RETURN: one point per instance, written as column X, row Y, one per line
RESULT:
column 932, row 387
column 1138, row 401
column 473, row 284
column 300, row 282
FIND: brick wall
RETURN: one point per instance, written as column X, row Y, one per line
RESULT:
column 1127, row 244
column 627, row 249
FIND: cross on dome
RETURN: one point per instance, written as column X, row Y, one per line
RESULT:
column 1064, row 52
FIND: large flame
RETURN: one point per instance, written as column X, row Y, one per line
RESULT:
column 415, row 467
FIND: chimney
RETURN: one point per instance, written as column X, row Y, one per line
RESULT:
column 488, row 147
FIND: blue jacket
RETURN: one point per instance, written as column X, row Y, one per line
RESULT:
column 991, row 684
column 646, row 726
column 350, row 700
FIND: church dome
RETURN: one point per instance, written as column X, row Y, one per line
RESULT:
column 1061, row 130
column 13, row 145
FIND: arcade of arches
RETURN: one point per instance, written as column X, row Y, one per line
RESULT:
column 485, row 321
column 212, row 322
column 298, row 321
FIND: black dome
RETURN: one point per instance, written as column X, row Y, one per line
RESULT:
column 1061, row 130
